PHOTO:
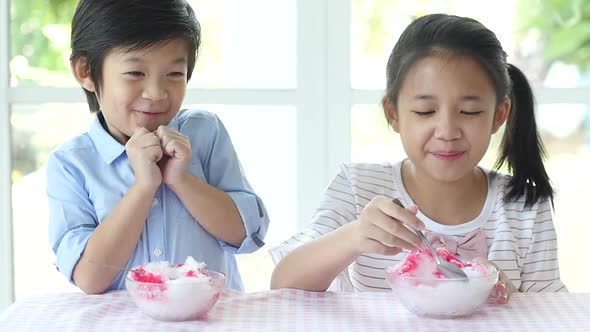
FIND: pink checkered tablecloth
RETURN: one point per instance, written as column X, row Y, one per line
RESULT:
column 295, row 310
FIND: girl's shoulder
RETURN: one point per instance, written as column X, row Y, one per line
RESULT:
column 369, row 179
column 500, row 184
column 377, row 171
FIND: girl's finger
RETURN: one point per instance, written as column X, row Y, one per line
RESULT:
column 376, row 233
column 396, row 229
column 381, row 249
column 396, row 210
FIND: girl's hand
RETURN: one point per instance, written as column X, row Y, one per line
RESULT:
column 503, row 288
column 380, row 228
column 144, row 151
column 177, row 155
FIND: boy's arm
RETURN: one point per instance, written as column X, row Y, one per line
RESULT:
column 225, row 205
column 76, row 235
column 74, row 229
column 214, row 209
column 113, row 241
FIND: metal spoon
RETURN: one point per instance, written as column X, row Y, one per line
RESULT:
column 449, row 270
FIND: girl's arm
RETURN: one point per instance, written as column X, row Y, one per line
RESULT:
column 314, row 265
column 379, row 229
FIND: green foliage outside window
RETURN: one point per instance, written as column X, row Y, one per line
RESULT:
column 40, row 31
column 564, row 28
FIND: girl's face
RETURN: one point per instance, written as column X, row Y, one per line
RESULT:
column 445, row 115
column 143, row 88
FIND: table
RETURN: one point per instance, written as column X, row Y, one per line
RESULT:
column 295, row 310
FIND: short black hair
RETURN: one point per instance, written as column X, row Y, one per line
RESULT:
column 521, row 149
column 99, row 26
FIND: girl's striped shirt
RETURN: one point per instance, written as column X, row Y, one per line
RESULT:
column 521, row 240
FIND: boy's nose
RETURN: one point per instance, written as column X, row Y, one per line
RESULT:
column 155, row 91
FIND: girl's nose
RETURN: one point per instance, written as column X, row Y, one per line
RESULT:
column 447, row 128
column 155, row 91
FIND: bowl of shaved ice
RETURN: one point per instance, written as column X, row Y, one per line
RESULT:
column 175, row 292
column 426, row 292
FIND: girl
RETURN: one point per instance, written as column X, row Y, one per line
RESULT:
column 147, row 182
column 449, row 88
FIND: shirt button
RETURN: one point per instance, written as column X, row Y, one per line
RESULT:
column 155, row 202
column 158, row 252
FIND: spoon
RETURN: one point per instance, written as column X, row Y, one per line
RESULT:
column 114, row 267
column 449, row 270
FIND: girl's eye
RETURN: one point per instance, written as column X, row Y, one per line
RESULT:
column 134, row 73
column 471, row 113
column 425, row 113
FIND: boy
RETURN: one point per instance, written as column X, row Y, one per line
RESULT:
column 147, row 182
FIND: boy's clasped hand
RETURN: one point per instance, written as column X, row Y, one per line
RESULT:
column 159, row 156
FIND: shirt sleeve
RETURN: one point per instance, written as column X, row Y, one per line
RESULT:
column 223, row 171
column 72, row 218
column 337, row 208
column 540, row 270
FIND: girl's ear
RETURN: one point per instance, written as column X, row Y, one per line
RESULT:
column 81, row 71
column 390, row 113
column 502, row 112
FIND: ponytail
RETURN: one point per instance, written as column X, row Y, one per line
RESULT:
column 522, row 149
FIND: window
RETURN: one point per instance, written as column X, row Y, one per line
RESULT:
column 255, row 105
column 299, row 90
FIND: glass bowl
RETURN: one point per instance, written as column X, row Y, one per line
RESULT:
column 177, row 300
column 442, row 298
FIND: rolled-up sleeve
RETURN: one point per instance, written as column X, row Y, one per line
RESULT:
column 71, row 216
column 223, row 171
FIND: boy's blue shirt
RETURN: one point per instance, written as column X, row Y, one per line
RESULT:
column 88, row 175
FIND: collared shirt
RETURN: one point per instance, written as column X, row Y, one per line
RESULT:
column 88, row 175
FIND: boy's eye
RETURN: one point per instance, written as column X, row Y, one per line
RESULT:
column 134, row 73
column 423, row 113
column 177, row 74
column 471, row 112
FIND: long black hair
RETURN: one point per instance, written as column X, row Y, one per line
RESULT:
column 99, row 26
column 521, row 148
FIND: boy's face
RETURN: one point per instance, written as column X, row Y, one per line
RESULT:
column 143, row 88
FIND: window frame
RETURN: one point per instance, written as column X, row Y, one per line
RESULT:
column 323, row 99
column 6, row 247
